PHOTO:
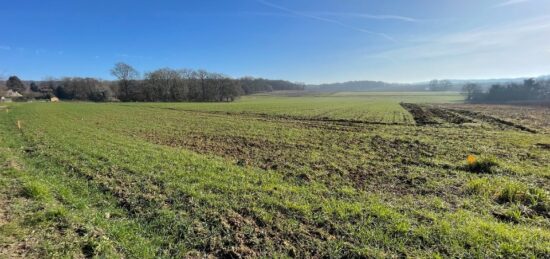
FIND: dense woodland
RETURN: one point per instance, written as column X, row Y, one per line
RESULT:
column 162, row 85
column 530, row 91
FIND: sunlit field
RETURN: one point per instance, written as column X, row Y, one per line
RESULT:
column 328, row 175
column 380, row 107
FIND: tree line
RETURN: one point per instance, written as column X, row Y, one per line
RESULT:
column 530, row 91
column 440, row 85
column 161, row 85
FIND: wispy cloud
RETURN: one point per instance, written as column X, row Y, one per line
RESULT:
column 511, row 2
column 513, row 48
column 261, row 14
column 323, row 19
column 4, row 47
column 368, row 16
column 512, row 37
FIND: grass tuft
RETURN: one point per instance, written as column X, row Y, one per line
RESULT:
column 486, row 165
column 36, row 190
column 511, row 192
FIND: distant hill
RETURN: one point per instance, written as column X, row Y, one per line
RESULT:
column 374, row 86
column 362, row 86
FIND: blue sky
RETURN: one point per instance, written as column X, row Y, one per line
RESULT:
column 311, row 41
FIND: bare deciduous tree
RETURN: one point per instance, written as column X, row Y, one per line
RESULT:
column 471, row 90
column 125, row 74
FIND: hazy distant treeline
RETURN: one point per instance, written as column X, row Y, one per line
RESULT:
column 530, row 91
column 162, row 85
column 366, row 86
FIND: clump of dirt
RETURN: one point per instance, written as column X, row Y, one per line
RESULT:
column 238, row 224
column 88, row 250
column 13, row 164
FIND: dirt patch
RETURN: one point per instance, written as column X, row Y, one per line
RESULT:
column 420, row 115
column 533, row 117
column 10, row 246
column 244, row 151
column 449, row 116
column 289, row 159
column 427, row 115
column 400, row 148
column 3, row 211
column 430, row 115
column 545, row 146
column 13, row 165
column 497, row 122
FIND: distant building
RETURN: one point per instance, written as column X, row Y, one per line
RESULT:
column 13, row 94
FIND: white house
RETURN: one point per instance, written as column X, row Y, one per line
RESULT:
column 13, row 94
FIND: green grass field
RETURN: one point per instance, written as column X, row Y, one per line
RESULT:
column 370, row 107
column 336, row 175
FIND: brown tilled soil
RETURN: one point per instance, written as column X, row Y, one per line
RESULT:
column 429, row 115
column 449, row 116
column 533, row 117
column 441, row 114
column 421, row 116
column 497, row 122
